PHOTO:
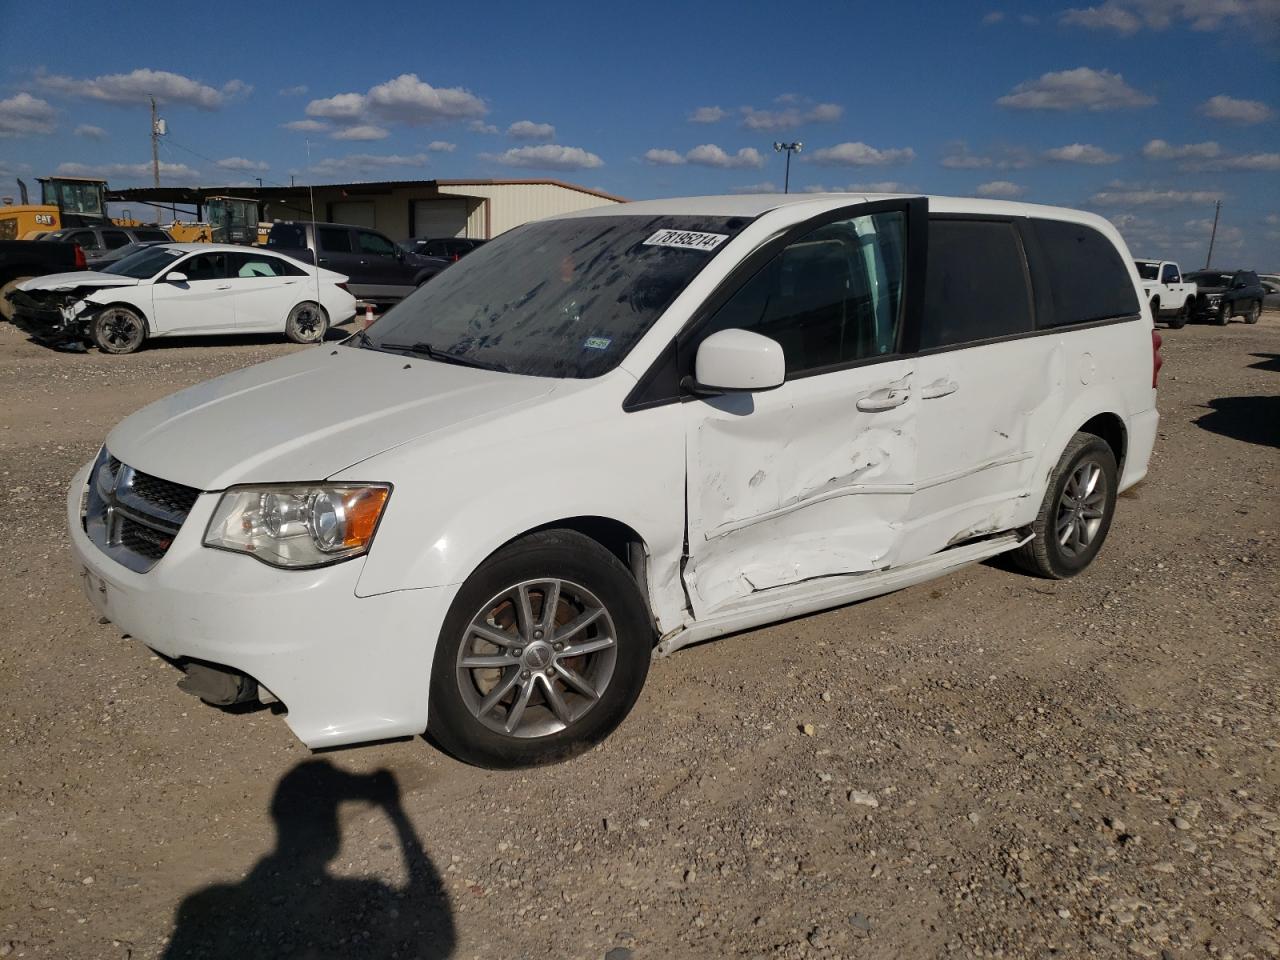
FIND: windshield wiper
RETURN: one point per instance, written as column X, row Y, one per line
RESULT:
column 424, row 349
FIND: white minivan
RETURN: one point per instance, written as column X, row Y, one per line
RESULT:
column 618, row 432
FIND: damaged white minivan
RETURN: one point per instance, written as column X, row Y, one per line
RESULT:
column 617, row 432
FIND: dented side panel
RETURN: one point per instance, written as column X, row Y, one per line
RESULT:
column 796, row 483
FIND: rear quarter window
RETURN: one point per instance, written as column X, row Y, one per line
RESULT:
column 1087, row 278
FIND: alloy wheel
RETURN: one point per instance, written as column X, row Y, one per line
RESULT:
column 1081, row 508
column 121, row 328
column 536, row 658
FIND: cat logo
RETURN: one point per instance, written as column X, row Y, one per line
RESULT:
column 44, row 219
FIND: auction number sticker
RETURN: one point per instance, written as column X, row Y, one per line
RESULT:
column 686, row 239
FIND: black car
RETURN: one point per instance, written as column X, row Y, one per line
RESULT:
column 1223, row 294
column 97, row 242
column 449, row 248
column 378, row 270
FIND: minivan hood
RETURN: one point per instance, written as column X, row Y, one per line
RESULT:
column 79, row 278
column 308, row 416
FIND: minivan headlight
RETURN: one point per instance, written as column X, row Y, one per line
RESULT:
column 304, row 525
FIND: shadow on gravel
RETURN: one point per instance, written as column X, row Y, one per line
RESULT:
column 291, row 905
column 1266, row 361
column 1251, row 419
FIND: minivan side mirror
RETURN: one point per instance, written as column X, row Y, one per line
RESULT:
column 175, row 276
column 737, row 361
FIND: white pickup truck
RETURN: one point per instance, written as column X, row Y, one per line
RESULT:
column 1171, row 299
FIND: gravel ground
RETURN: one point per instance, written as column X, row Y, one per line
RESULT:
column 987, row 765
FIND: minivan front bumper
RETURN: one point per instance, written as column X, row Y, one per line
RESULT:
column 348, row 669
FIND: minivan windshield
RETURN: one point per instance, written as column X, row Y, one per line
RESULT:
column 144, row 264
column 558, row 298
column 1148, row 270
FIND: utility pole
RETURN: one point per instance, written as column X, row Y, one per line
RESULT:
column 1217, row 208
column 155, row 153
column 790, row 148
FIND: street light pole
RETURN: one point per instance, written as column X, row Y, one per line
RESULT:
column 790, row 148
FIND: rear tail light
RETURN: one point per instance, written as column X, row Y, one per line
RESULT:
column 1157, row 361
column 80, row 260
column 343, row 286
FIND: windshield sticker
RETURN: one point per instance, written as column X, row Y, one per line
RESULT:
column 686, row 239
column 597, row 343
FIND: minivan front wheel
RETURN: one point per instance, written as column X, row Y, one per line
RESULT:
column 542, row 654
column 1076, row 512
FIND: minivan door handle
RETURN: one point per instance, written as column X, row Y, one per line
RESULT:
column 884, row 399
column 939, row 388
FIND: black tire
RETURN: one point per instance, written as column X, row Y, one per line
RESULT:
column 308, row 322
column 456, row 691
column 1255, row 310
column 1179, row 319
column 1155, row 309
column 1045, row 555
column 118, row 329
column 6, row 308
column 1224, row 314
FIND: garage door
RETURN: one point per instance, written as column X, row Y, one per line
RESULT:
column 357, row 212
column 439, row 218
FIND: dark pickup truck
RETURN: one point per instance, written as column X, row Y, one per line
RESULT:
column 23, row 259
column 378, row 271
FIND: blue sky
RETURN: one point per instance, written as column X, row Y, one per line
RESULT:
column 1144, row 110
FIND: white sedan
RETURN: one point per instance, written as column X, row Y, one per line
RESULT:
column 185, row 289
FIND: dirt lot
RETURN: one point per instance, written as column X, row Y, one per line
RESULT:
column 999, row 766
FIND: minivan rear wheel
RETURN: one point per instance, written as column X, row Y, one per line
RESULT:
column 542, row 654
column 1076, row 512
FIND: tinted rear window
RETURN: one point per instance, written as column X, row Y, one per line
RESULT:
column 976, row 283
column 151, row 235
column 335, row 239
column 1088, row 280
column 287, row 235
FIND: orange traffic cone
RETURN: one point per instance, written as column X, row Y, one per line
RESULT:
column 368, row 314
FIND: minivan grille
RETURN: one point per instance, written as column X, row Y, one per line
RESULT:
column 132, row 516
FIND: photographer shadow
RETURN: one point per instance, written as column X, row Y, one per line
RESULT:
column 290, row 905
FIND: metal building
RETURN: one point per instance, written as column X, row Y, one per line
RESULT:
column 398, row 208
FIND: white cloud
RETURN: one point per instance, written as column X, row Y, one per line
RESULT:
column 663, row 158
column 358, row 164
column 441, row 146
column 1226, row 234
column 23, row 115
column 710, row 155
column 528, row 130
column 361, row 131
column 404, row 99
column 1003, row 189
column 708, row 115
column 139, row 85
column 1085, row 153
column 479, row 126
column 305, row 126
column 90, row 132
column 1080, row 89
column 546, row 156
column 1244, row 161
column 790, row 117
column 171, row 172
column 995, row 16
column 296, row 91
column 243, row 164
column 1250, row 17
column 1163, row 150
column 1108, row 16
column 858, row 154
column 1232, row 110
column 1120, row 194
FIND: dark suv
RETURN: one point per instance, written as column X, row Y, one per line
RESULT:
column 450, row 248
column 97, row 242
column 378, row 270
column 1223, row 294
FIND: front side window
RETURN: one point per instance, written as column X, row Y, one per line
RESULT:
column 205, row 266
column 557, row 298
column 375, row 243
column 832, row 297
column 1088, row 280
column 335, row 239
column 1170, row 274
column 976, row 284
